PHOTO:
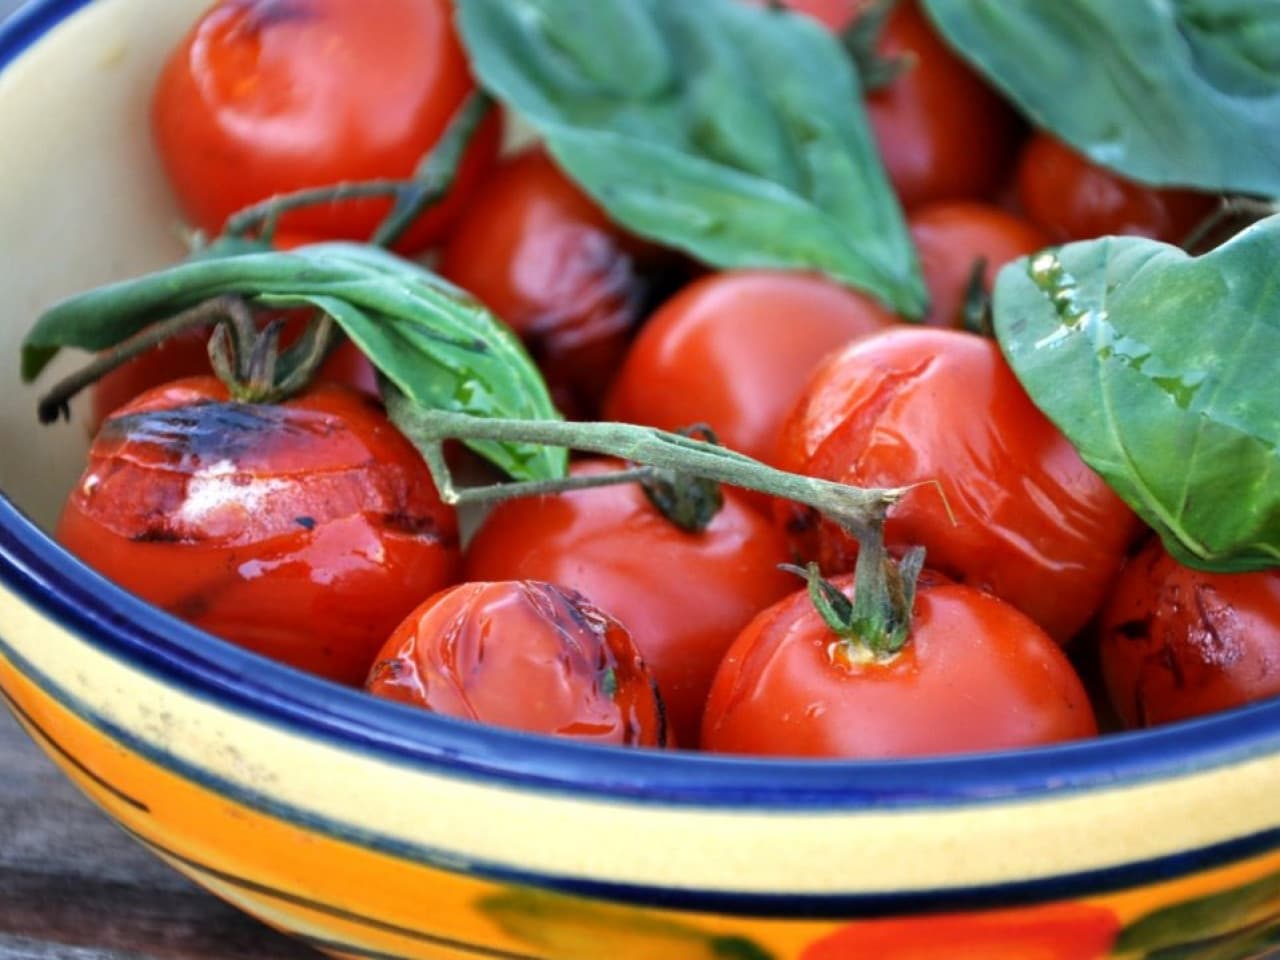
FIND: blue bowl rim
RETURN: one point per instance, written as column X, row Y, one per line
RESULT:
column 123, row 626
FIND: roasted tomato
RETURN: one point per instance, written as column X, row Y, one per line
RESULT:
column 1071, row 198
column 684, row 596
column 956, row 239
column 1014, row 510
column 305, row 531
column 527, row 655
column 974, row 674
column 271, row 96
column 1178, row 642
column 734, row 351
column 538, row 252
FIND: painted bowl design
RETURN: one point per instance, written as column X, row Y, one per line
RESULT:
column 371, row 830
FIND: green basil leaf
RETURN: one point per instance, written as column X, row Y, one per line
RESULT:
column 1161, row 369
column 435, row 343
column 1183, row 92
column 734, row 133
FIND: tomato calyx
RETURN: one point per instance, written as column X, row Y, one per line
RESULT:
column 689, row 501
column 860, row 39
column 875, row 625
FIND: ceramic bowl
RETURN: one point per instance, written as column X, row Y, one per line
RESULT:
column 371, row 830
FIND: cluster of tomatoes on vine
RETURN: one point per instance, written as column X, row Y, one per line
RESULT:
column 657, row 613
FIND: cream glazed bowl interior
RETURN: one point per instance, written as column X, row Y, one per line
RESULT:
column 372, row 830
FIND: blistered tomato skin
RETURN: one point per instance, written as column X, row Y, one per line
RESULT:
column 1071, row 198
column 734, row 351
column 526, row 655
column 1179, row 643
column 304, row 531
column 683, row 596
column 975, row 674
column 267, row 97
column 538, row 252
column 1014, row 510
column 952, row 237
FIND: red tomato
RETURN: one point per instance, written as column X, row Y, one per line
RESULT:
column 305, row 531
column 1060, row 931
column 267, row 97
column 1029, row 521
column 526, row 655
column 540, row 254
column 734, row 350
column 1179, row 643
column 684, row 596
column 952, row 237
column 1072, row 198
column 975, row 674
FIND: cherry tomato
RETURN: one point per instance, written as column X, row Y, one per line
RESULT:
column 734, row 351
column 527, row 655
column 1072, row 198
column 1014, row 510
column 540, row 254
column 975, row 674
column 1178, row 642
column 684, row 596
column 267, row 97
column 952, row 237
column 1059, row 931
column 305, row 531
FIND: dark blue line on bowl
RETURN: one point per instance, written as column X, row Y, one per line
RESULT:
column 30, row 22
column 834, row 906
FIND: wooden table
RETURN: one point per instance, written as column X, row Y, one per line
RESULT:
column 74, row 887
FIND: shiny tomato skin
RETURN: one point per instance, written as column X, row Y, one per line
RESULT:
column 305, row 531
column 546, row 259
column 684, row 596
column 975, row 675
column 1028, row 520
column 1178, row 642
column 1071, row 198
column 525, row 655
column 952, row 237
column 1058, row 931
column 734, row 350
column 271, row 96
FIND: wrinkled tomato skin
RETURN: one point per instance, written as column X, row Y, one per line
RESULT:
column 525, row 655
column 1014, row 510
column 304, row 531
column 952, row 237
column 975, row 674
column 684, row 596
column 734, row 350
column 266, row 97
column 546, row 259
column 1178, row 642
column 1071, row 198
column 1060, row 931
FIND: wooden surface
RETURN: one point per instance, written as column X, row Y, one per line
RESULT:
column 74, row 887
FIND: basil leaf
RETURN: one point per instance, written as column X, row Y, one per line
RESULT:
column 1181, row 92
column 1160, row 369
column 435, row 343
column 734, row 133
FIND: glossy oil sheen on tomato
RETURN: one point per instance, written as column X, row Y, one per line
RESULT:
column 683, row 596
column 304, row 531
column 975, row 674
column 527, row 655
column 1004, row 502
column 271, row 96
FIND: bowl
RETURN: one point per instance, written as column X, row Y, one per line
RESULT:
column 372, row 830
